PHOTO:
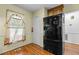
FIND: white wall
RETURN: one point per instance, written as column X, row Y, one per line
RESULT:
column 38, row 26
column 72, row 27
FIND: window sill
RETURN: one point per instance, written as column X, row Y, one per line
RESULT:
column 14, row 42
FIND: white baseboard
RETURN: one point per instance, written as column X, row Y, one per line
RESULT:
column 71, row 42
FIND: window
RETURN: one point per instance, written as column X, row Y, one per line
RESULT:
column 15, row 27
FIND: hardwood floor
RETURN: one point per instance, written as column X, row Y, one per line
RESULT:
column 71, row 49
column 30, row 49
column 33, row 49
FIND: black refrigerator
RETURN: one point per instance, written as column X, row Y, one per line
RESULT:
column 53, row 34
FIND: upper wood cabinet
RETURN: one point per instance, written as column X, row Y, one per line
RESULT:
column 55, row 10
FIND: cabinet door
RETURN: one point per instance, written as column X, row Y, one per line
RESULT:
column 55, row 10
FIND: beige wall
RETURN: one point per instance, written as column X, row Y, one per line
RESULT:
column 71, row 7
column 28, row 22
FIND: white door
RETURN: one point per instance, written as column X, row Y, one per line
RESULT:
column 37, row 30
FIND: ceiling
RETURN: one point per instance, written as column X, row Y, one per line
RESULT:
column 34, row 7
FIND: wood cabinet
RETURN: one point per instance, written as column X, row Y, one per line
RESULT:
column 56, row 10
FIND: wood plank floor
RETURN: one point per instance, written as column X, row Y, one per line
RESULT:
column 33, row 49
column 71, row 49
column 30, row 49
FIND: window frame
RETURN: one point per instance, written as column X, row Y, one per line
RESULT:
column 7, row 39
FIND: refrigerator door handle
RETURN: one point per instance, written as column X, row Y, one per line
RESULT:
column 66, row 36
column 63, row 19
